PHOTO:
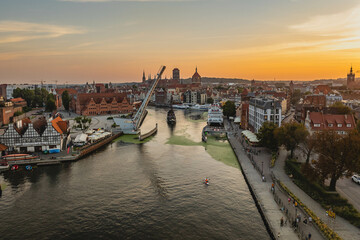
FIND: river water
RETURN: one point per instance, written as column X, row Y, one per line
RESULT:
column 135, row 191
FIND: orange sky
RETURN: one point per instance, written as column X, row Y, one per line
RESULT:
column 76, row 41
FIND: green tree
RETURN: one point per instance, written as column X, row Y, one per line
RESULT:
column 210, row 100
column 339, row 108
column 65, row 97
column 50, row 103
column 291, row 135
column 308, row 146
column 295, row 97
column 266, row 136
column 229, row 109
column 338, row 155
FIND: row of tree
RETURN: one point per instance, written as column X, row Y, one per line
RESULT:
column 338, row 155
column 36, row 98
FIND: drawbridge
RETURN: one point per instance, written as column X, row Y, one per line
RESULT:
column 132, row 126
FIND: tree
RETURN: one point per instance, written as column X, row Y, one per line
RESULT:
column 338, row 155
column 266, row 136
column 65, row 97
column 339, row 108
column 295, row 97
column 210, row 100
column 291, row 135
column 50, row 103
column 308, row 146
column 229, row 109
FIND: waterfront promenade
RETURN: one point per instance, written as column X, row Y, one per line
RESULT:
column 273, row 205
column 342, row 227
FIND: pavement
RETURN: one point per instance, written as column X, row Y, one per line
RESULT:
column 342, row 227
column 262, row 190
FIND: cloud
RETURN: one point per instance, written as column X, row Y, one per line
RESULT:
column 84, row 1
column 342, row 30
column 13, row 31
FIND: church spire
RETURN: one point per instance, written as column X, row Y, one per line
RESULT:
column 143, row 78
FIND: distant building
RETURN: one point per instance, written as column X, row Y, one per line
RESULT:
column 100, row 104
column 143, row 78
column 8, row 109
column 176, row 74
column 322, row 89
column 351, row 83
column 264, row 110
column 317, row 121
column 196, row 78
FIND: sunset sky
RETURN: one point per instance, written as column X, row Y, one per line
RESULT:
column 76, row 41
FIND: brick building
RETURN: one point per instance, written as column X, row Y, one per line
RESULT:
column 100, row 104
column 318, row 121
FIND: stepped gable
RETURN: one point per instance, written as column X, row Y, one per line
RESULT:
column 85, row 98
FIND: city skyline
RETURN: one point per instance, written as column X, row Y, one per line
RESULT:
column 79, row 41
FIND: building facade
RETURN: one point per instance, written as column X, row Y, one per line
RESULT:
column 88, row 104
column 264, row 110
column 318, row 121
column 31, row 140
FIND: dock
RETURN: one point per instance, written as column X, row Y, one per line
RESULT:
column 55, row 159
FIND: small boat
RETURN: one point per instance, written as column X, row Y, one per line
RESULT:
column 171, row 118
column 206, row 181
column 4, row 166
column 15, row 167
column 28, row 167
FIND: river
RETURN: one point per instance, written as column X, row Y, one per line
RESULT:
column 153, row 190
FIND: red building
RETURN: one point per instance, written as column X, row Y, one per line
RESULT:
column 317, row 121
column 101, row 103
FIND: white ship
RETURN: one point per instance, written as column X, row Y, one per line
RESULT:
column 215, row 116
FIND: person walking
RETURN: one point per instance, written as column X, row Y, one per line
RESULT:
column 281, row 222
column 309, row 236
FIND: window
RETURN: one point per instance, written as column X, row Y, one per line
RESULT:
column 330, row 125
column 317, row 125
column 339, row 125
column 348, row 125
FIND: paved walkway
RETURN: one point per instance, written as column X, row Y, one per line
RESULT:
column 262, row 191
column 342, row 227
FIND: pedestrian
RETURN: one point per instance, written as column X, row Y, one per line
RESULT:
column 310, row 220
column 309, row 236
column 281, row 222
column 289, row 200
column 278, row 235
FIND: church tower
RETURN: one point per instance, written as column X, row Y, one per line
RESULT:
column 351, row 79
column 143, row 78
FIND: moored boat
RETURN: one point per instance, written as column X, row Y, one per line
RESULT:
column 4, row 166
column 15, row 158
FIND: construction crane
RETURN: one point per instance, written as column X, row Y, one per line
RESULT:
column 132, row 126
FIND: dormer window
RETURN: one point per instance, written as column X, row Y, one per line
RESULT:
column 339, row 125
column 330, row 125
column 317, row 125
column 348, row 125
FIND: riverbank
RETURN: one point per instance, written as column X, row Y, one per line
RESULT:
column 57, row 158
column 268, row 203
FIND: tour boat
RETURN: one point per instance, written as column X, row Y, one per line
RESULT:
column 171, row 118
column 182, row 106
column 14, row 158
column 215, row 116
